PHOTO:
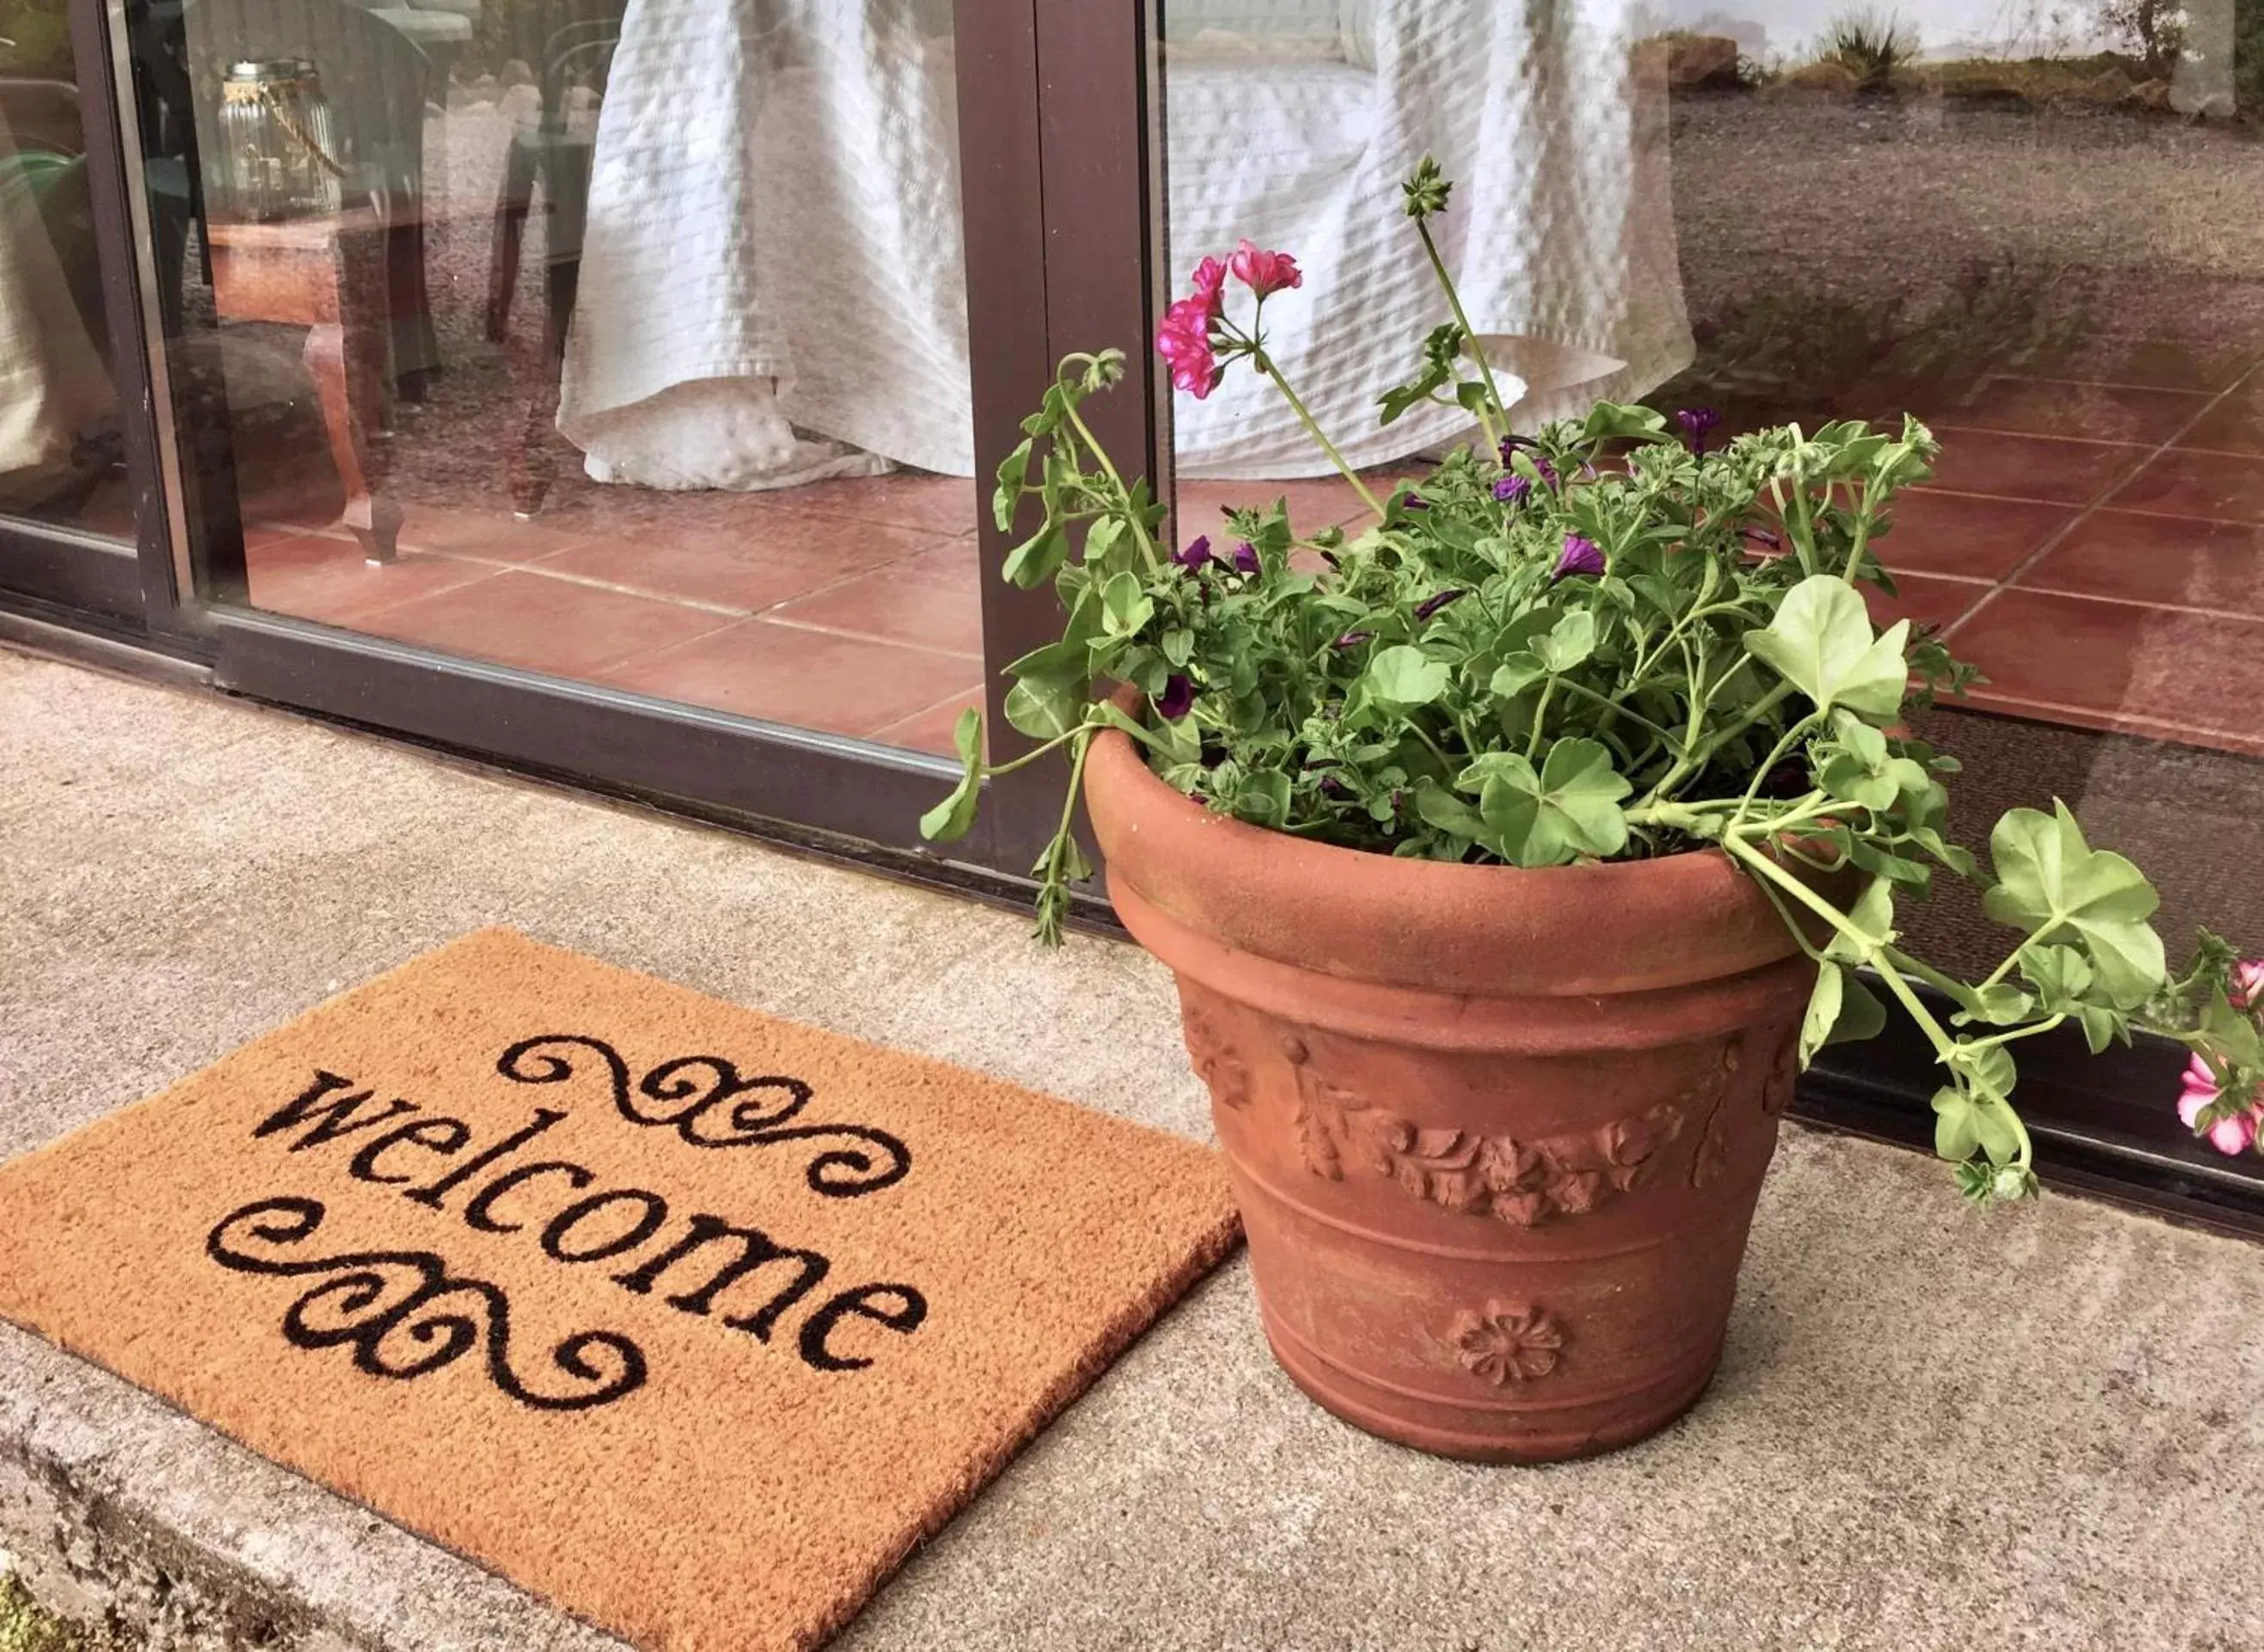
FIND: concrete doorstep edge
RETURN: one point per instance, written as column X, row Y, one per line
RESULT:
column 118, row 1510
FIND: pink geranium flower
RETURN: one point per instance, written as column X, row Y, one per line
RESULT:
column 1183, row 339
column 2248, row 983
column 2230, row 1135
column 1264, row 273
column 1210, row 288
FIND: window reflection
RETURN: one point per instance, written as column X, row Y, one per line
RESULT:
column 60, row 458
column 622, row 341
column 2032, row 227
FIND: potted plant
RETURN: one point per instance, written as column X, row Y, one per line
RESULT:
column 1515, row 855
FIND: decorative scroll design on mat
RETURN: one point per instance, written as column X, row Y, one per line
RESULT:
column 1522, row 1182
column 405, row 1316
column 704, row 1084
column 1504, row 1343
column 1214, row 1059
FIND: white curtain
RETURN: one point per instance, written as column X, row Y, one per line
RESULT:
column 773, row 237
column 53, row 385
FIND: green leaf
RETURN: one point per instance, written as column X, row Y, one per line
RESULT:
column 1820, row 641
column 1993, row 1122
column 1824, row 1002
column 1264, row 798
column 1036, row 559
column 1013, row 471
column 1956, row 1130
column 1043, row 707
column 1404, row 676
column 2060, row 974
column 948, row 821
column 2053, row 884
column 1102, row 538
column 1842, row 1009
column 1570, row 808
column 1448, row 813
column 1124, row 606
column 1569, row 642
column 1516, row 674
column 1873, row 916
column 1610, row 420
column 2101, row 1027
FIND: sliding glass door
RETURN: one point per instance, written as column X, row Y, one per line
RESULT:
column 601, row 384
column 2017, row 230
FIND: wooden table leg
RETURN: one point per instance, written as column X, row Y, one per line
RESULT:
column 348, row 360
column 374, row 517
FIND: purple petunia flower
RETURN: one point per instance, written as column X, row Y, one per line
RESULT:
column 1511, row 443
column 1177, row 698
column 1578, row 556
column 1332, row 786
column 1196, row 553
column 1437, row 600
column 1511, row 488
column 1354, row 639
column 1695, row 422
column 1245, row 558
column 1764, row 536
column 1413, row 501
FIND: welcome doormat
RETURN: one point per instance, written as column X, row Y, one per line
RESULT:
column 691, row 1320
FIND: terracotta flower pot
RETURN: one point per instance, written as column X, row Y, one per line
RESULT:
column 1497, row 1134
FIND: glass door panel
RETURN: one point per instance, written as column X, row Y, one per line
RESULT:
column 62, row 451
column 619, row 341
column 2027, row 233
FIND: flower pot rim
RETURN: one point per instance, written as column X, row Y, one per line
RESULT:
column 1592, row 927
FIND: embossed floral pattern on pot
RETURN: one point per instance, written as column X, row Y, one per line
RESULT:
column 1524, row 1183
column 1214, row 1059
column 1504, row 1343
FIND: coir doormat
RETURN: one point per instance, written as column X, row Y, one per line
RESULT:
column 691, row 1320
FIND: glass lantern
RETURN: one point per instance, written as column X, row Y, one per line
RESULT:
column 279, row 142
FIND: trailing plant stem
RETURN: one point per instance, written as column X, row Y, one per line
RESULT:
column 1493, row 430
column 1265, row 365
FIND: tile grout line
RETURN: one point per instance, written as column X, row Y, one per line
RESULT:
column 2058, row 714
column 2053, row 540
column 885, row 728
column 772, row 617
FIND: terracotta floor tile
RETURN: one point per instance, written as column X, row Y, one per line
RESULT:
column 808, row 679
column 490, row 536
column 1924, row 599
column 2155, row 559
column 2223, row 487
column 776, row 557
column 904, row 498
column 553, row 626
column 318, row 578
column 257, row 534
column 2048, row 407
column 2048, row 468
column 2198, row 672
column 2234, row 425
column 1937, row 532
column 1315, row 503
column 2158, row 363
column 932, row 730
column 933, row 600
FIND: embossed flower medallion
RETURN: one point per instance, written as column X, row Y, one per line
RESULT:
column 1504, row 1343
